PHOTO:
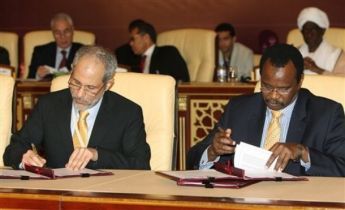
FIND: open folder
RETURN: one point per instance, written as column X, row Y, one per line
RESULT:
column 208, row 178
column 250, row 167
column 226, row 176
column 33, row 172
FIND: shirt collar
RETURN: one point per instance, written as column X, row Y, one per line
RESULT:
column 59, row 49
column 92, row 111
column 287, row 110
column 149, row 51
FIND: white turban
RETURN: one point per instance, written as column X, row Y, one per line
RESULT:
column 314, row 15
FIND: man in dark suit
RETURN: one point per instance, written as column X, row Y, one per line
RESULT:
column 311, row 140
column 156, row 60
column 4, row 56
column 124, row 54
column 58, row 54
column 110, row 135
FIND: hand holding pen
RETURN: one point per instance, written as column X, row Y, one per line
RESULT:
column 31, row 157
column 222, row 144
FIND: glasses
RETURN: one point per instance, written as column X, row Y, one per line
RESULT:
column 66, row 32
column 280, row 90
column 88, row 89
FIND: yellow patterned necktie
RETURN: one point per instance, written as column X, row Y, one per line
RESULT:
column 273, row 131
column 82, row 127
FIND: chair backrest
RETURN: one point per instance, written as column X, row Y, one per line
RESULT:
column 156, row 96
column 197, row 47
column 35, row 38
column 9, row 41
column 257, row 58
column 328, row 86
column 6, row 97
column 335, row 36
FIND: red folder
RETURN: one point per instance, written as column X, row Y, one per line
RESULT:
column 227, row 168
column 224, row 176
column 34, row 172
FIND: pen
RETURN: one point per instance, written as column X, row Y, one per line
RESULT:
column 34, row 148
column 220, row 129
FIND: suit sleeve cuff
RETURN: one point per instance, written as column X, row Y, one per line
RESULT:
column 306, row 165
column 204, row 163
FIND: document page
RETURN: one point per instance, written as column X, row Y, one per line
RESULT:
column 249, row 157
column 61, row 172
column 5, row 71
column 7, row 173
column 197, row 174
column 55, row 71
column 253, row 161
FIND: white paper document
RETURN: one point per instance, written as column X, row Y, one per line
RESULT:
column 5, row 71
column 47, row 173
column 19, row 173
column 120, row 69
column 253, row 161
column 55, row 71
column 61, row 172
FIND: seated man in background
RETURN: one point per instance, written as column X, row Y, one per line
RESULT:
column 309, row 134
column 320, row 57
column 125, row 55
column 232, row 53
column 156, row 60
column 58, row 54
column 4, row 56
column 83, row 126
column 267, row 38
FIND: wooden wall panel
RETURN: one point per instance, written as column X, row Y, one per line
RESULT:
column 108, row 19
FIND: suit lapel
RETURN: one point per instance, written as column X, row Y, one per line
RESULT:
column 153, row 66
column 101, row 122
column 298, row 119
column 64, row 120
column 71, row 54
column 256, row 123
column 51, row 57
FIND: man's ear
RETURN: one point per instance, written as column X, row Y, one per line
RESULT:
column 109, row 84
column 234, row 39
column 301, row 81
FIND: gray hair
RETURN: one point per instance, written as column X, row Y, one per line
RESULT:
column 61, row 16
column 104, row 56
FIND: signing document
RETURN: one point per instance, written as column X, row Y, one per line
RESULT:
column 249, row 164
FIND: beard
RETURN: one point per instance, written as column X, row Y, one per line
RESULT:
column 84, row 104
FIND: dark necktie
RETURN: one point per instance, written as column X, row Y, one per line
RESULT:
column 142, row 63
column 63, row 62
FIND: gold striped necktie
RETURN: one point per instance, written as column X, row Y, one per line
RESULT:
column 82, row 127
column 273, row 131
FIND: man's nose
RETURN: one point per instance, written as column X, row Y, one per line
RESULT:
column 274, row 94
column 81, row 92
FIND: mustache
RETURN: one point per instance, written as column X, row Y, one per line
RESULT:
column 274, row 102
column 79, row 99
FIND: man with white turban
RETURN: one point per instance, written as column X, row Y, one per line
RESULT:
column 320, row 57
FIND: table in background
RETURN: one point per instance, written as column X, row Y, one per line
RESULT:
column 199, row 107
column 131, row 189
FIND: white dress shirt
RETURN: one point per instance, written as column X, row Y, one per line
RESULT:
column 148, row 53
